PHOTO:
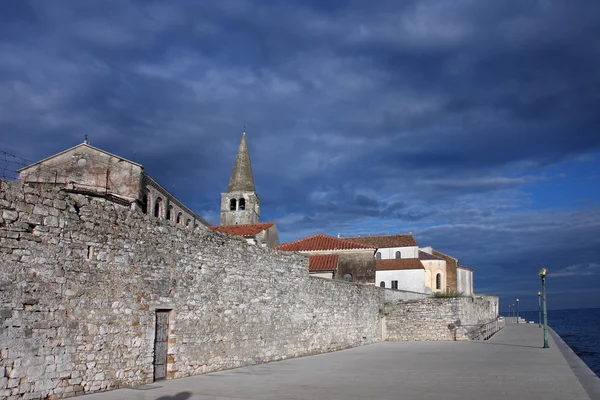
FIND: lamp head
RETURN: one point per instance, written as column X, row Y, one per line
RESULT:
column 539, row 294
column 543, row 272
column 517, row 300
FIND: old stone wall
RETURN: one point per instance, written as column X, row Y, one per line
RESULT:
column 437, row 318
column 81, row 280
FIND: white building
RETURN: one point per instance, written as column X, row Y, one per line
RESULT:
column 464, row 280
column 397, row 262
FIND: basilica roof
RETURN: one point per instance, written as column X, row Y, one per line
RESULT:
column 322, row 262
column 247, row 230
column 427, row 256
column 322, row 242
column 398, row 264
column 387, row 241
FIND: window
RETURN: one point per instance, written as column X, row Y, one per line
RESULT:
column 187, row 223
column 169, row 213
column 378, row 256
column 242, row 204
column 348, row 277
column 145, row 204
column 232, row 205
column 179, row 216
column 395, row 285
column 382, row 284
column 438, row 281
column 158, row 208
column 398, row 255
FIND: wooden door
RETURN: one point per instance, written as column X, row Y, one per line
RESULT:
column 161, row 338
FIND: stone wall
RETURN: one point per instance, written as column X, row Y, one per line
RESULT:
column 81, row 280
column 437, row 319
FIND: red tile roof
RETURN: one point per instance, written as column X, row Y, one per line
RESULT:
column 383, row 242
column 427, row 256
column 322, row 242
column 243, row 230
column 326, row 262
column 403, row 263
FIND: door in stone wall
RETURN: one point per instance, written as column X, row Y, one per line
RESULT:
column 161, row 338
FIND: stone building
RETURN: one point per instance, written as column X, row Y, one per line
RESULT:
column 240, row 205
column 88, row 170
column 451, row 268
column 348, row 260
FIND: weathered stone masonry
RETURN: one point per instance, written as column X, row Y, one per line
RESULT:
column 81, row 280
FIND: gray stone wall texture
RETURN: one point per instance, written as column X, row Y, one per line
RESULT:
column 81, row 279
column 437, row 319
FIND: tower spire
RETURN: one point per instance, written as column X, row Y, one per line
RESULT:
column 241, row 177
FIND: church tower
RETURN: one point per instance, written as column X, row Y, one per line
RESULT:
column 240, row 205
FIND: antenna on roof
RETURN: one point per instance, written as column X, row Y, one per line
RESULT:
column 338, row 235
column 244, row 130
column 85, row 138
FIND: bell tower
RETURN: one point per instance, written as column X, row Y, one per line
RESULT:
column 240, row 205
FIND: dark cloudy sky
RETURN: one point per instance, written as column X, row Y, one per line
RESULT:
column 473, row 124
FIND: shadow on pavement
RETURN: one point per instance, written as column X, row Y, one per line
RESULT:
column 507, row 344
column 178, row 396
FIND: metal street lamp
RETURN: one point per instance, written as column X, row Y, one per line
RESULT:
column 517, row 311
column 542, row 273
column 509, row 315
column 539, row 309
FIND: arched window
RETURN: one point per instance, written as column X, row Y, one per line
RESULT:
column 158, row 208
column 187, row 223
column 438, row 281
column 145, row 204
column 242, row 204
column 169, row 213
column 382, row 284
column 348, row 277
column 179, row 216
column 378, row 256
column 398, row 255
column 232, row 205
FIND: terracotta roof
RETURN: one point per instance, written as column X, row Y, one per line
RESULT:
column 243, row 230
column 383, row 242
column 325, row 262
column 320, row 242
column 427, row 256
column 403, row 263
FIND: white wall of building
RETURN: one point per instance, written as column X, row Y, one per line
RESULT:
column 408, row 279
column 328, row 275
column 389, row 253
column 464, row 281
column 432, row 268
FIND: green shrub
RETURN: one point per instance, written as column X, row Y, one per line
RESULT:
column 449, row 294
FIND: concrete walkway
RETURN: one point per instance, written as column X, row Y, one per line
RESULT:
column 511, row 365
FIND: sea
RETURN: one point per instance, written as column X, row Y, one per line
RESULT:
column 580, row 329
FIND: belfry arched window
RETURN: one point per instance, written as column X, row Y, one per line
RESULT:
column 398, row 255
column 242, row 204
column 232, row 205
column 382, row 284
column 179, row 216
column 438, row 281
column 378, row 256
column 169, row 213
column 158, row 208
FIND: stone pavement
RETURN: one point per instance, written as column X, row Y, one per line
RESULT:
column 511, row 365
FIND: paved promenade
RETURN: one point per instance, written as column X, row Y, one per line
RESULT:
column 512, row 365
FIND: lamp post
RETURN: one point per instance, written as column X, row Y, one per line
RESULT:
column 539, row 309
column 542, row 273
column 509, row 315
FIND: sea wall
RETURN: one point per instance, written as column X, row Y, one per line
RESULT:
column 81, row 280
column 437, row 318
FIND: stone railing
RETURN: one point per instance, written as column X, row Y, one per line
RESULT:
column 484, row 331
